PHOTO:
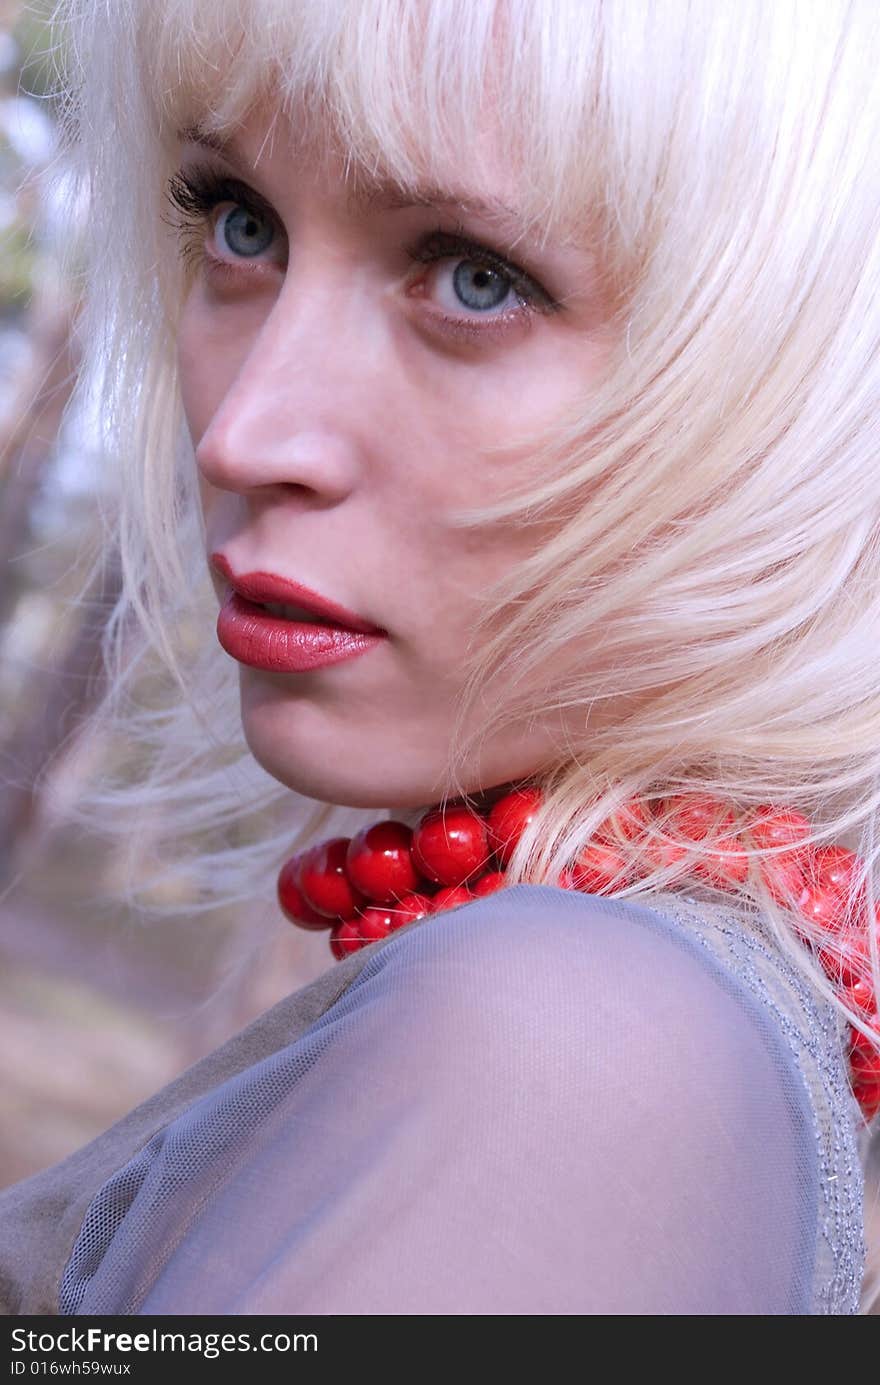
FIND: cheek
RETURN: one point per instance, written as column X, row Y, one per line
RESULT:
column 193, row 372
column 207, row 495
column 211, row 345
column 201, row 385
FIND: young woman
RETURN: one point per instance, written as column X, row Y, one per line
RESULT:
column 507, row 373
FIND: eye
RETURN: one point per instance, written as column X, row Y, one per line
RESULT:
column 486, row 295
column 244, row 231
column 481, row 283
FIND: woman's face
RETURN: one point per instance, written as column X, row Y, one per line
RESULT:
column 341, row 395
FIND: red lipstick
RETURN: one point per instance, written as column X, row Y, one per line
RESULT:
column 282, row 643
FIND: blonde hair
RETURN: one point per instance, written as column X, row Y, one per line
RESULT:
column 707, row 520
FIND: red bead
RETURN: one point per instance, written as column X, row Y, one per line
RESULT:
column 868, row 1097
column 727, row 865
column 508, row 819
column 784, row 877
column 599, row 868
column 379, row 861
column 785, row 872
column 836, row 866
column 846, row 958
column 409, row 908
column 692, row 818
column 372, row 923
column 292, row 900
column 450, row 846
column 377, row 921
column 490, row 882
column 771, row 826
column 695, row 816
column 837, row 869
column 450, row 896
column 860, row 996
column 860, row 1047
column 630, row 822
column 345, row 938
column 324, row 882
column 821, row 905
column 658, row 854
column 864, row 1065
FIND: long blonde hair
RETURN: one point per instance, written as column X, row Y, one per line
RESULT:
column 707, row 521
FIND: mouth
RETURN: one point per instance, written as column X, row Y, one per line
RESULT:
column 283, row 599
column 297, row 613
column 280, row 637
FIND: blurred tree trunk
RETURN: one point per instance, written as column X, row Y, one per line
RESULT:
column 59, row 698
column 29, row 430
column 60, row 693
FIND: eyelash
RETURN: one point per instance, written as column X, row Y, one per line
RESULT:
column 196, row 194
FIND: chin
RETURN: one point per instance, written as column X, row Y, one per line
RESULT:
column 328, row 758
column 327, row 781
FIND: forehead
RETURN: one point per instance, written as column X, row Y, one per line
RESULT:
column 265, row 137
column 418, row 110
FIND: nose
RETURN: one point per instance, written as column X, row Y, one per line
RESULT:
column 289, row 417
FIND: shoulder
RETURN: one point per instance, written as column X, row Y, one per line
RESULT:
column 538, row 1102
column 599, row 1004
column 553, row 965
column 656, row 1094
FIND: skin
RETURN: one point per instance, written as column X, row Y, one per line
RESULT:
column 336, row 422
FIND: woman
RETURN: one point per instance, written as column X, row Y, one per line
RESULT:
column 520, row 358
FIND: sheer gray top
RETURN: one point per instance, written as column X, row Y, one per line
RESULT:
column 541, row 1102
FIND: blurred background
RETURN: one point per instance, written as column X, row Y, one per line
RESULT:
column 96, row 1011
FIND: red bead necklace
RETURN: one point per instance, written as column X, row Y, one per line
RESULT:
column 364, row 887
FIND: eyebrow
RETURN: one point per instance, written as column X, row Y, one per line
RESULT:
column 386, row 194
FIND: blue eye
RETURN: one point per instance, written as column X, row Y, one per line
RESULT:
column 482, row 279
column 497, row 293
column 248, row 226
column 240, row 228
column 478, row 286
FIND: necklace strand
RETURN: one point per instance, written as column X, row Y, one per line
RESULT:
column 363, row 888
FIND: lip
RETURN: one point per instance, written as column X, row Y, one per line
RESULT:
column 275, row 645
column 258, row 588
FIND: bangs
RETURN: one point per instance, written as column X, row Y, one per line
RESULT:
column 404, row 90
